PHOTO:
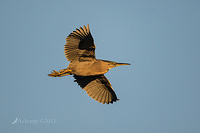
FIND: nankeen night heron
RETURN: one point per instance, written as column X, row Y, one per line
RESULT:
column 86, row 69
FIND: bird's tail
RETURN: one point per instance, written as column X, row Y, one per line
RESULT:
column 61, row 73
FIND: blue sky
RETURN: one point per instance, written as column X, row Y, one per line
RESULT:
column 159, row 92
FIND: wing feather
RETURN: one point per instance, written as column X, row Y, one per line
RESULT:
column 97, row 87
column 80, row 44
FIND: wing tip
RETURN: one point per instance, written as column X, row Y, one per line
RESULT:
column 88, row 29
column 107, row 102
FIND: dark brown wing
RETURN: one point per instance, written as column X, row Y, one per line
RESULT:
column 80, row 44
column 97, row 87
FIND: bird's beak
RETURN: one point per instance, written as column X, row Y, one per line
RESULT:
column 122, row 64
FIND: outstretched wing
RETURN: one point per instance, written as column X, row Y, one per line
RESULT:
column 97, row 87
column 80, row 44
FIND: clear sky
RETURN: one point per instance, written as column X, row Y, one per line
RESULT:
column 159, row 92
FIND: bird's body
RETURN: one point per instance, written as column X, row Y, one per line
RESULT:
column 87, row 70
column 88, row 67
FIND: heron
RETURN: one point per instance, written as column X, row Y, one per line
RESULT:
column 85, row 68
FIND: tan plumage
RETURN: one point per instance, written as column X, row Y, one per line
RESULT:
column 80, row 44
column 98, row 87
column 87, row 70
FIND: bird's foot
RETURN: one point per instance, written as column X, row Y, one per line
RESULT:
column 61, row 73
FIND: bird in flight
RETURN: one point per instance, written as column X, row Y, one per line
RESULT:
column 85, row 68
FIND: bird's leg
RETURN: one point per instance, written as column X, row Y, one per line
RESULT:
column 61, row 73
